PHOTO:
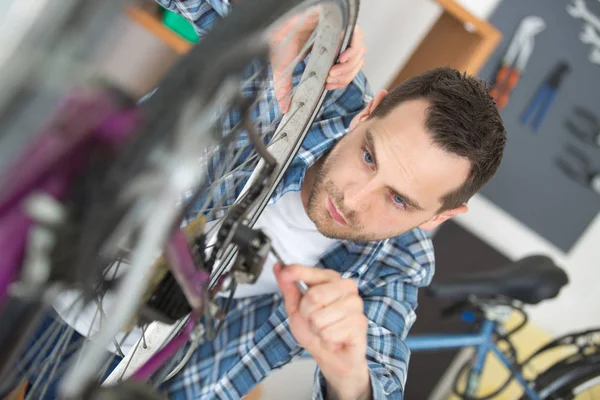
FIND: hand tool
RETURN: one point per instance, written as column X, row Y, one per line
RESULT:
column 579, row 168
column 589, row 134
column 544, row 97
column 579, row 10
column 515, row 59
column 301, row 285
column 590, row 36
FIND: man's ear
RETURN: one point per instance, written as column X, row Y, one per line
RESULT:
column 443, row 216
column 364, row 114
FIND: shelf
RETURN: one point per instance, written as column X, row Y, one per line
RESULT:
column 457, row 39
column 151, row 23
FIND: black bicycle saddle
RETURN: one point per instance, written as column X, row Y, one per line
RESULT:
column 530, row 280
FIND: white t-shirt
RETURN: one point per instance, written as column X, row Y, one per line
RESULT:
column 293, row 235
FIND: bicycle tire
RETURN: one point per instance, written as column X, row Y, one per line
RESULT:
column 239, row 27
column 563, row 379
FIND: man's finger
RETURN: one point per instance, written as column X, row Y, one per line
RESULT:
column 324, row 295
column 348, row 54
column 289, row 290
column 335, row 312
column 283, row 91
column 310, row 275
column 351, row 330
column 340, row 71
column 347, row 72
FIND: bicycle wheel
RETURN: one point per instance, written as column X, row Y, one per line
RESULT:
column 577, row 377
column 179, row 131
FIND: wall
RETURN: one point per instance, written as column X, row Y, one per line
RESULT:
column 575, row 307
column 394, row 28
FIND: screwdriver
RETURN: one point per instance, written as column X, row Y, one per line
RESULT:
column 301, row 285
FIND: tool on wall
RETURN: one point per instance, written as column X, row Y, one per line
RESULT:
column 515, row 59
column 544, row 97
column 589, row 35
column 579, row 10
column 577, row 166
column 590, row 134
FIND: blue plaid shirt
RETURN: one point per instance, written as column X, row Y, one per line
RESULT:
column 256, row 338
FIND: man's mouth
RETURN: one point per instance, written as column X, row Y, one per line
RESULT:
column 337, row 217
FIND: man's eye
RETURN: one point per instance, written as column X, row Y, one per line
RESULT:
column 368, row 157
column 399, row 201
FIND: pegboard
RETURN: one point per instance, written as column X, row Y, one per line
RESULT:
column 529, row 185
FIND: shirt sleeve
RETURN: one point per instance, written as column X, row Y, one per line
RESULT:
column 390, row 300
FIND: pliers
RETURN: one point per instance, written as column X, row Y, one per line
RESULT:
column 577, row 166
column 515, row 59
column 591, row 133
column 544, row 97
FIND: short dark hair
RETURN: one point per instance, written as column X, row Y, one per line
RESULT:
column 462, row 119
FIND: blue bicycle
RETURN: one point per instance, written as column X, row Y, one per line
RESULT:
column 485, row 300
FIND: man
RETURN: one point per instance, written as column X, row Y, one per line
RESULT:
column 372, row 176
column 350, row 219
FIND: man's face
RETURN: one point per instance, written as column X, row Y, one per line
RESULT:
column 384, row 178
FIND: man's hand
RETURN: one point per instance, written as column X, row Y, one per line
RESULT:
column 329, row 322
column 349, row 64
column 287, row 42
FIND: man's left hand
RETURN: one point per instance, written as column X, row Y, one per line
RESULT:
column 350, row 62
column 329, row 322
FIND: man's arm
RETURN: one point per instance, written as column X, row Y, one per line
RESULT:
column 387, row 355
column 357, row 343
column 360, row 352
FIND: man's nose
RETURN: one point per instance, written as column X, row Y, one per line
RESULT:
column 360, row 197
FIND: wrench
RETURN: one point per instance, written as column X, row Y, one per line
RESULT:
column 580, row 11
column 590, row 35
column 595, row 55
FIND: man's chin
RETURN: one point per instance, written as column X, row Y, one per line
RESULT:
column 331, row 229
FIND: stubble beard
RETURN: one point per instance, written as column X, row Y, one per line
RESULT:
column 320, row 216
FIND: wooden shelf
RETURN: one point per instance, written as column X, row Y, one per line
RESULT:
column 150, row 22
column 458, row 39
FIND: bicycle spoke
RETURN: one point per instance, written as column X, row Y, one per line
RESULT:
column 280, row 46
column 129, row 361
column 291, row 34
column 53, row 356
column 38, row 350
column 56, row 364
column 268, row 129
column 223, row 196
column 42, row 346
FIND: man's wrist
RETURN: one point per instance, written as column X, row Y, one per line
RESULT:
column 356, row 386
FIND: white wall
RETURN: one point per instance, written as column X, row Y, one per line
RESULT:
column 392, row 31
column 394, row 28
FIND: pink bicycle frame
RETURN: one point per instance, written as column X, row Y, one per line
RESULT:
column 51, row 163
